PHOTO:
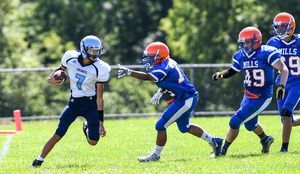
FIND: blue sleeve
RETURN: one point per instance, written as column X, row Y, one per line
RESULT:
column 158, row 74
column 274, row 55
column 236, row 64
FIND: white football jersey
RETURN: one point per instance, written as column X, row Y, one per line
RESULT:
column 83, row 79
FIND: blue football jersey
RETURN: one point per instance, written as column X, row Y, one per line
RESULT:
column 290, row 53
column 169, row 76
column 258, row 69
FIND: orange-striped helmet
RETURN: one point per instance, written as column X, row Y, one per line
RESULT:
column 284, row 19
column 250, row 34
column 154, row 54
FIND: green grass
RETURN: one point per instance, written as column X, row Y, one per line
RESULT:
column 129, row 138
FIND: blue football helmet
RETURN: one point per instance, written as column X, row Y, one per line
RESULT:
column 91, row 43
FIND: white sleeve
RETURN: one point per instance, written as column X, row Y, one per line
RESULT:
column 104, row 74
column 64, row 59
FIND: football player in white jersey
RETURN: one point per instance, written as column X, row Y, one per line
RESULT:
column 87, row 74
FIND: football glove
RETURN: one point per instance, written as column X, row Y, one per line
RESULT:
column 217, row 76
column 123, row 71
column 156, row 97
column 280, row 92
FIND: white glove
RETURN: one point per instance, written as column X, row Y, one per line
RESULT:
column 123, row 71
column 156, row 97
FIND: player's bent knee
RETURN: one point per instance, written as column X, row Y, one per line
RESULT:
column 234, row 124
column 183, row 129
column 250, row 127
column 286, row 113
column 160, row 125
column 93, row 143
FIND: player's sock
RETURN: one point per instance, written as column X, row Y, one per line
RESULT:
column 226, row 145
column 158, row 150
column 263, row 137
column 285, row 145
column 40, row 158
column 205, row 136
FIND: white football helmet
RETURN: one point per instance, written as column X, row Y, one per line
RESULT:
column 93, row 43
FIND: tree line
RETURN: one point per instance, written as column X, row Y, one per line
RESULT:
column 37, row 33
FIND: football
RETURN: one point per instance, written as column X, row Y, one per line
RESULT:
column 60, row 75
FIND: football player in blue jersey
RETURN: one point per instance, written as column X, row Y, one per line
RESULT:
column 258, row 62
column 288, row 44
column 170, row 78
column 87, row 75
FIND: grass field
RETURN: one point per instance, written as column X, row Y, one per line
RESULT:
column 129, row 138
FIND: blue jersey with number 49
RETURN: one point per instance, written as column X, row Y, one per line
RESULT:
column 290, row 53
column 169, row 76
column 258, row 69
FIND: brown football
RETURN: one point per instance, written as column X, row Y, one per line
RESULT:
column 60, row 75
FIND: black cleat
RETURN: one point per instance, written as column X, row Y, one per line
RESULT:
column 36, row 163
column 266, row 144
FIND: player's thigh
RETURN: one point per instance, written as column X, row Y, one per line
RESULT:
column 248, row 111
column 175, row 111
column 292, row 97
column 67, row 117
column 183, row 123
column 93, row 124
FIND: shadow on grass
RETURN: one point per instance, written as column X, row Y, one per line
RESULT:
column 245, row 155
column 72, row 165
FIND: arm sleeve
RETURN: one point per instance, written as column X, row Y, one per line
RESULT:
column 228, row 73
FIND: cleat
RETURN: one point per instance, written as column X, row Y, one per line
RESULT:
column 283, row 150
column 223, row 152
column 266, row 144
column 84, row 131
column 36, row 163
column 216, row 144
column 151, row 157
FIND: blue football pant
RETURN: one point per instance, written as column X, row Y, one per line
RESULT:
column 86, row 107
column 248, row 113
column 290, row 100
column 179, row 111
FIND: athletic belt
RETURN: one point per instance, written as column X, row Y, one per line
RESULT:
column 251, row 95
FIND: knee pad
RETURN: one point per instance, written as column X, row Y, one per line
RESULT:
column 250, row 127
column 234, row 122
column 160, row 125
column 286, row 113
column 184, row 128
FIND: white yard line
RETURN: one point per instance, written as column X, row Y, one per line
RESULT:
column 5, row 147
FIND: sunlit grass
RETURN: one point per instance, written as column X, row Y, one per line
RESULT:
column 129, row 138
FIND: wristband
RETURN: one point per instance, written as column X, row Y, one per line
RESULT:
column 100, row 115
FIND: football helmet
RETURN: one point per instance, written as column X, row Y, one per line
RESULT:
column 154, row 54
column 249, row 34
column 89, row 45
column 284, row 19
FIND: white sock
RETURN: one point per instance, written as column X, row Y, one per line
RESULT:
column 205, row 136
column 40, row 158
column 158, row 150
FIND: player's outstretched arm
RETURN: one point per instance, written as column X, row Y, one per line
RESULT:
column 123, row 71
column 224, row 74
column 283, row 78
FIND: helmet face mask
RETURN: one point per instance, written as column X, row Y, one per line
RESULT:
column 91, row 48
column 287, row 22
column 250, row 39
column 154, row 54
